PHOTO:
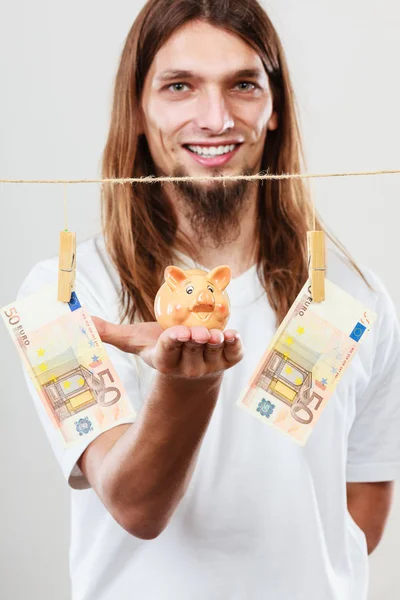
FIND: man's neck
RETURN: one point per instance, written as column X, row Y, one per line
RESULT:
column 240, row 255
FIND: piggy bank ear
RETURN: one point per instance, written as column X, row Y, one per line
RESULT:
column 174, row 276
column 220, row 276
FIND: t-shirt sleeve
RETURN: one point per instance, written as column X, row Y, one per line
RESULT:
column 374, row 439
column 124, row 364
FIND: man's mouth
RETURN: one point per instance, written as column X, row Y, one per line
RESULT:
column 212, row 150
column 214, row 155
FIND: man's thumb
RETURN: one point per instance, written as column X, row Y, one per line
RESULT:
column 130, row 338
column 120, row 336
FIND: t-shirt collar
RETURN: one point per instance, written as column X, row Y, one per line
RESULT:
column 244, row 288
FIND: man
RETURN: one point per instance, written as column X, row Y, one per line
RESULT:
column 196, row 500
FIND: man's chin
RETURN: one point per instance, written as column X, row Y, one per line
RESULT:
column 213, row 208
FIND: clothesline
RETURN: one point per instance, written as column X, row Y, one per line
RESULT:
column 153, row 179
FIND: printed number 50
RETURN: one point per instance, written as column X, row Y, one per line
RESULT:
column 101, row 389
column 12, row 316
column 303, row 405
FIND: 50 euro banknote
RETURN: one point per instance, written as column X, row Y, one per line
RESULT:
column 305, row 361
column 68, row 364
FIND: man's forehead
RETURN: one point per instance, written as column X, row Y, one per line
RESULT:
column 201, row 49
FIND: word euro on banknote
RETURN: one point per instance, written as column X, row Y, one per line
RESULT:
column 67, row 362
column 305, row 361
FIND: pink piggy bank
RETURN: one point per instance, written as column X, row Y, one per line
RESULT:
column 194, row 297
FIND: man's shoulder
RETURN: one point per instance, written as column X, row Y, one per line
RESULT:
column 366, row 287
column 354, row 278
column 91, row 261
column 96, row 277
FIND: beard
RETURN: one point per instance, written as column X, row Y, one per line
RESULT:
column 213, row 209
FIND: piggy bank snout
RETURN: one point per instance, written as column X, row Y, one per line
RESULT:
column 203, row 302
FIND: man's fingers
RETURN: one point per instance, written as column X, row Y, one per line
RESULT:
column 192, row 359
column 233, row 348
column 167, row 353
column 213, row 349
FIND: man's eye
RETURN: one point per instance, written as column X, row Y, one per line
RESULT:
column 245, row 86
column 177, row 87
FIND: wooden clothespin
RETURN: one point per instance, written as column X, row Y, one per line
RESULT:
column 316, row 264
column 66, row 265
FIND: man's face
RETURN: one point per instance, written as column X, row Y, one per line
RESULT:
column 196, row 103
column 207, row 107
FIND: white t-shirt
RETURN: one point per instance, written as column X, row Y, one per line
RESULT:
column 263, row 518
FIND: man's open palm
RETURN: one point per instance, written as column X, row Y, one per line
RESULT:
column 178, row 351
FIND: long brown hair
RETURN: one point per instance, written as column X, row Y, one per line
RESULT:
column 139, row 223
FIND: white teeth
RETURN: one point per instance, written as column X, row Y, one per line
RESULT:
column 212, row 150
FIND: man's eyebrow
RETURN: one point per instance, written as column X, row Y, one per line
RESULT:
column 251, row 73
column 173, row 74
column 169, row 74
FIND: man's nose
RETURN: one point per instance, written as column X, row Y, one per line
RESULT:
column 213, row 113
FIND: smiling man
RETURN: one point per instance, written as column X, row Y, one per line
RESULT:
column 195, row 500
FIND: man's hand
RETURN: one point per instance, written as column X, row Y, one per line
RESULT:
column 179, row 351
column 369, row 505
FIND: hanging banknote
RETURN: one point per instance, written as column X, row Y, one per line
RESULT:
column 305, row 361
column 68, row 364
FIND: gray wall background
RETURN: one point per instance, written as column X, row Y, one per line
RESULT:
column 58, row 62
